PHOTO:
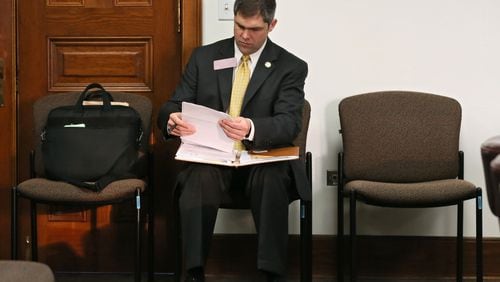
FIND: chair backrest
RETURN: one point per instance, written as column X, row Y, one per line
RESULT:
column 490, row 154
column 400, row 136
column 43, row 106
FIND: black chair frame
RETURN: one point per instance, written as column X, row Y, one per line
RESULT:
column 352, row 218
column 139, row 224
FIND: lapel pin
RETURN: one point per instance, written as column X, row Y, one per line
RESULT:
column 267, row 64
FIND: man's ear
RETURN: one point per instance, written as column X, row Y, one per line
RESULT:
column 272, row 24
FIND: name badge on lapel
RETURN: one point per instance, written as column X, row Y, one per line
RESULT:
column 225, row 63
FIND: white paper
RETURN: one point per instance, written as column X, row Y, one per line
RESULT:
column 208, row 131
column 197, row 153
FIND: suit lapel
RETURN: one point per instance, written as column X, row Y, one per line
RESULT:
column 225, row 76
column 265, row 66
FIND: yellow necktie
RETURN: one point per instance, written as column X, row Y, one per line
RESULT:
column 240, row 84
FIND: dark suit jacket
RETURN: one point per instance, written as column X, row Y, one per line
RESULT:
column 273, row 101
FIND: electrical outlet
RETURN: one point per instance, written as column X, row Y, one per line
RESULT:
column 331, row 177
column 226, row 10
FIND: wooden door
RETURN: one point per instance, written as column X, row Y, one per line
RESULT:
column 7, row 120
column 127, row 45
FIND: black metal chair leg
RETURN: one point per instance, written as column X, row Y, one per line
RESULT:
column 151, row 236
column 34, row 232
column 151, row 219
column 340, row 222
column 137, row 273
column 13, row 223
column 306, row 229
column 178, row 238
column 309, row 247
column 340, row 239
column 479, row 235
column 302, row 240
column 460, row 241
column 305, row 242
column 352, row 216
column 151, row 263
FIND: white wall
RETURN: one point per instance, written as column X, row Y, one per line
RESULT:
column 446, row 47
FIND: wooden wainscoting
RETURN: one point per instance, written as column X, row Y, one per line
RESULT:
column 390, row 257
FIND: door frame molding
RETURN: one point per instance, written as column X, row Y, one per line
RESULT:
column 190, row 27
column 13, row 92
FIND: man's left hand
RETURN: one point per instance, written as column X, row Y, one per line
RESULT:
column 236, row 128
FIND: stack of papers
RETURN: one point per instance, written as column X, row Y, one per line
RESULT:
column 209, row 144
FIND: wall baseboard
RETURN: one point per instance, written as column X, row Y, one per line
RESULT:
column 390, row 257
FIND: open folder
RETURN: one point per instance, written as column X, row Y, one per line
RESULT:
column 209, row 144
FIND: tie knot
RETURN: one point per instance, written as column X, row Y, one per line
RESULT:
column 245, row 59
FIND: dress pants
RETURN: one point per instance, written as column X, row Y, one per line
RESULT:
column 267, row 188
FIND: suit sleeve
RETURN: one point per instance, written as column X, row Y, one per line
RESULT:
column 185, row 91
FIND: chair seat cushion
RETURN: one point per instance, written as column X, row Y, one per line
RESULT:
column 421, row 194
column 42, row 189
column 24, row 271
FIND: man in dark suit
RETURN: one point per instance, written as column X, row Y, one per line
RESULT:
column 270, row 116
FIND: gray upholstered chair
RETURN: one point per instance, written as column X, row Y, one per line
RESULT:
column 40, row 190
column 490, row 153
column 305, row 209
column 401, row 149
column 25, row 271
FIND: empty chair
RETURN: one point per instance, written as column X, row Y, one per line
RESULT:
column 401, row 150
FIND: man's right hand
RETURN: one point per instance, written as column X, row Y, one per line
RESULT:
column 176, row 126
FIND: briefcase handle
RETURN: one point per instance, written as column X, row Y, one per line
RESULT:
column 89, row 95
column 92, row 86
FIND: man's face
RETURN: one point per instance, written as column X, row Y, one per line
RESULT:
column 251, row 32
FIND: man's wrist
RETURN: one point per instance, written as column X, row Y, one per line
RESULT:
column 251, row 132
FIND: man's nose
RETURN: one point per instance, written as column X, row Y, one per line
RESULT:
column 245, row 33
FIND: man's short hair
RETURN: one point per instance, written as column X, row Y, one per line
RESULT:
column 249, row 8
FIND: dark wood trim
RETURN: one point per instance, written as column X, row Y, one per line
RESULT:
column 191, row 27
column 13, row 83
column 8, row 116
column 233, row 255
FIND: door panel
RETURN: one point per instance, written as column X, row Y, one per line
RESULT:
column 124, row 63
column 126, row 45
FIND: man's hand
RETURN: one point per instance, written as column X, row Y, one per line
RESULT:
column 237, row 128
column 176, row 126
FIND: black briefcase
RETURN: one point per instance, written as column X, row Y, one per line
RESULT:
column 92, row 145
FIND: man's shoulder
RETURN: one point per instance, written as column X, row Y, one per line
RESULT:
column 292, row 57
column 203, row 56
column 285, row 55
column 217, row 45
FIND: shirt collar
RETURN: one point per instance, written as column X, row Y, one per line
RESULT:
column 254, row 57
